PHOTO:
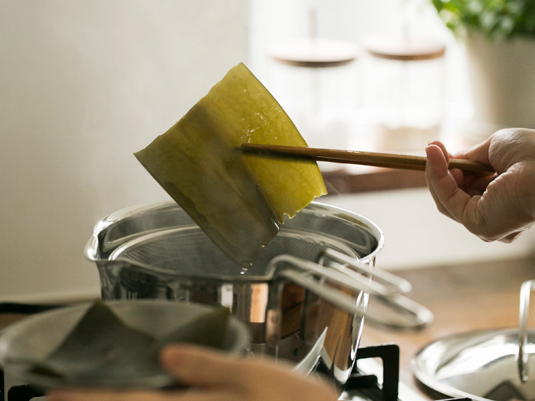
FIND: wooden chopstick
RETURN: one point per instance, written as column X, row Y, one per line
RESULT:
column 389, row 160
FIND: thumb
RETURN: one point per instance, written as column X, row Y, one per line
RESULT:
column 450, row 199
column 189, row 364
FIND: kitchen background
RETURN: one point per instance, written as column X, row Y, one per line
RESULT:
column 84, row 84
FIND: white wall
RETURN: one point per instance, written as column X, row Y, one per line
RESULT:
column 83, row 85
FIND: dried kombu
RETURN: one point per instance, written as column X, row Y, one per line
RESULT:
column 101, row 348
column 239, row 200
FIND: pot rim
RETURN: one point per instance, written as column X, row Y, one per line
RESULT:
column 91, row 248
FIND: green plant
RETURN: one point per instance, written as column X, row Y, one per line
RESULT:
column 496, row 19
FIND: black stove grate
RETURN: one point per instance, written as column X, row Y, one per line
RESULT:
column 389, row 354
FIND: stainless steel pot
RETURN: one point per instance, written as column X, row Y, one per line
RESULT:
column 304, row 299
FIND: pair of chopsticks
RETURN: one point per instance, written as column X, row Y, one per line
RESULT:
column 388, row 160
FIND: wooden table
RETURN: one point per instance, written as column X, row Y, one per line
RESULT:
column 463, row 298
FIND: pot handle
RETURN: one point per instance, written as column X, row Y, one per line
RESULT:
column 412, row 315
column 522, row 356
column 284, row 262
column 385, row 283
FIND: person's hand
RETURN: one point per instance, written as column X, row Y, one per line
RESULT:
column 497, row 207
column 216, row 376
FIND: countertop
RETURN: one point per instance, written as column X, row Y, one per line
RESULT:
column 463, row 298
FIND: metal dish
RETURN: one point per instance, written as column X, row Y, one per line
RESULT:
column 30, row 341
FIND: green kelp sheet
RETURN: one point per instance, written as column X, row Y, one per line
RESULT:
column 101, row 348
column 239, row 200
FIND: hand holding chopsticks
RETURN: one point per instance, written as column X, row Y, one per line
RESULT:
column 388, row 160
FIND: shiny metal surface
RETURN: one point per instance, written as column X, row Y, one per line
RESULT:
column 481, row 365
column 34, row 338
column 403, row 312
column 322, row 225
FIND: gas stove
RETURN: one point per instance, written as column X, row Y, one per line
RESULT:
column 370, row 380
